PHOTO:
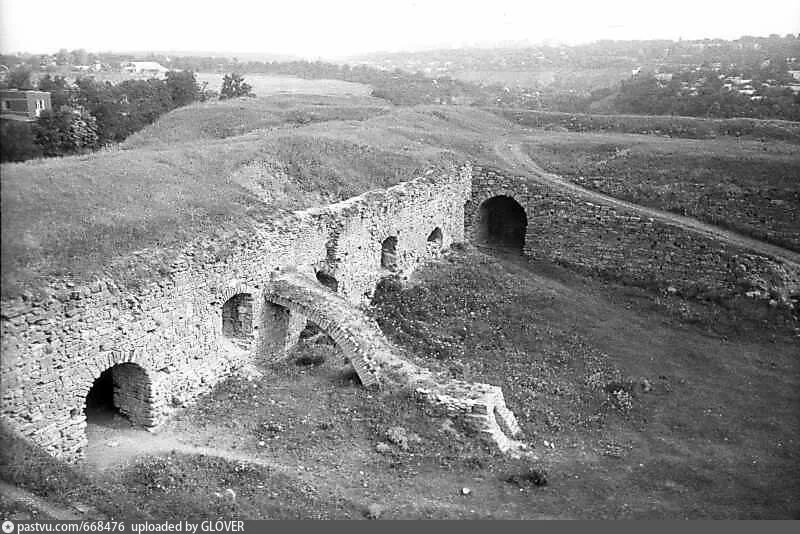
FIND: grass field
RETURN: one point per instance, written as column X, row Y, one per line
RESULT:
column 267, row 84
column 749, row 186
column 635, row 407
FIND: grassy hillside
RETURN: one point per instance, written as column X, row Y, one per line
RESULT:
column 638, row 406
column 672, row 126
column 229, row 118
column 748, row 186
column 74, row 217
column 214, row 170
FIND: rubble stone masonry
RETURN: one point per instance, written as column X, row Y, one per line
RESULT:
column 175, row 338
column 173, row 331
column 626, row 245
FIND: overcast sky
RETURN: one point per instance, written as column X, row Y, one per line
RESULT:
column 336, row 28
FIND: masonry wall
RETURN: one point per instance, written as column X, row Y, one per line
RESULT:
column 54, row 348
column 623, row 245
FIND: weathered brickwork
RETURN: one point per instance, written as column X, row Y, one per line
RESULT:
column 622, row 244
column 178, row 332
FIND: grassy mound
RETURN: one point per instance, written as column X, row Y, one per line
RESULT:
column 230, row 118
column 72, row 218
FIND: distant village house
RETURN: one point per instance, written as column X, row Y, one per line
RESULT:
column 23, row 105
column 145, row 67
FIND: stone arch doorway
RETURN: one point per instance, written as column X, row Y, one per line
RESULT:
column 237, row 316
column 389, row 253
column 434, row 242
column 123, row 389
column 502, row 221
column 328, row 281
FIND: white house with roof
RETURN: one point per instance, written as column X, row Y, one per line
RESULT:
column 145, row 67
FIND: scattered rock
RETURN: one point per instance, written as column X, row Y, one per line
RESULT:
column 82, row 508
column 401, row 437
column 647, row 387
column 273, row 427
column 534, row 477
column 373, row 511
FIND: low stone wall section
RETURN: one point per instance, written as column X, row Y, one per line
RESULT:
column 624, row 245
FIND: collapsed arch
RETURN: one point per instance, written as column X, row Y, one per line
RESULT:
column 502, row 221
column 124, row 389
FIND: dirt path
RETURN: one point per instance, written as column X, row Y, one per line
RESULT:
column 511, row 152
column 33, row 502
column 117, row 444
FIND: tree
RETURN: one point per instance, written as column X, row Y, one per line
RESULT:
column 183, row 88
column 64, row 132
column 17, row 141
column 58, row 87
column 233, row 85
column 20, row 78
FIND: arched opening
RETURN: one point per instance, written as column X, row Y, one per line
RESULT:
column 434, row 243
column 328, row 281
column 389, row 253
column 237, row 316
column 122, row 390
column 502, row 222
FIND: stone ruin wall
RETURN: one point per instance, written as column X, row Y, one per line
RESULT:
column 54, row 349
column 625, row 245
column 170, row 331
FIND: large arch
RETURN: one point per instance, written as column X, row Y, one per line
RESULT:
column 501, row 221
column 353, row 333
column 123, row 388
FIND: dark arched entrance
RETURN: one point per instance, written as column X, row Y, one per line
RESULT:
column 237, row 317
column 389, row 253
column 123, row 389
column 502, row 222
column 328, row 281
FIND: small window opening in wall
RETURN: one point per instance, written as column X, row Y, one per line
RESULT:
column 328, row 281
column 389, row 253
column 237, row 316
column 435, row 240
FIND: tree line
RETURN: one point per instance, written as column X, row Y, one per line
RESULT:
column 88, row 114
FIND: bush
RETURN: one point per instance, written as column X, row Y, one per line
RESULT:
column 17, row 141
column 233, row 85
